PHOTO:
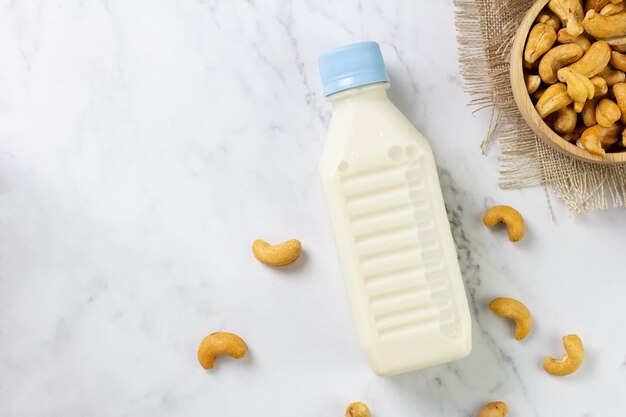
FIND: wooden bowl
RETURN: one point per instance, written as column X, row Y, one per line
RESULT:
column 526, row 107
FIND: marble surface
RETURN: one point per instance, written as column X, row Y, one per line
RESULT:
column 145, row 144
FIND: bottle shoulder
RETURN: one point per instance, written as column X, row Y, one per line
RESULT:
column 377, row 124
column 370, row 133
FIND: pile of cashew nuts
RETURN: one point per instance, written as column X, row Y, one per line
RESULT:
column 575, row 64
column 224, row 343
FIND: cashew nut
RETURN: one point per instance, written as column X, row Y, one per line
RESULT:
column 579, row 87
column 565, row 120
column 220, row 343
column 592, row 145
column 571, row 14
column 277, row 255
column 612, row 76
column 619, row 48
column 602, row 27
column 616, row 40
column 556, row 58
column 607, row 112
column 511, row 218
column 530, row 66
column 619, row 91
column 358, row 410
column 596, row 5
column 574, row 135
column 532, row 82
column 539, row 93
column 554, row 98
column 589, row 112
column 548, row 17
column 571, row 361
column 612, row 8
column 624, row 138
column 594, row 61
column 540, row 40
column 596, row 138
column 618, row 60
column 609, row 137
column 601, row 87
column 565, row 37
column 494, row 409
column 516, row 311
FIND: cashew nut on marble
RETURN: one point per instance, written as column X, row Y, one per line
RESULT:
column 220, row 343
column 494, row 409
column 571, row 361
column 277, row 255
column 511, row 218
column 358, row 410
column 516, row 311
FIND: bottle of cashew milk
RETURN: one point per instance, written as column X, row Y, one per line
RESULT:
column 389, row 220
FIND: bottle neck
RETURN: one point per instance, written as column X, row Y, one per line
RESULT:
column 375, row 91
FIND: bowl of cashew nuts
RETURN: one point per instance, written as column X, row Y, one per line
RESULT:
column 568, row 74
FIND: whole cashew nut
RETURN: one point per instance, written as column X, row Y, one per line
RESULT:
column 596, row 138
column 589, row 112
column 556, row 58
column 571, row 361
column 619, row 91
column 571, row 14
column 277, row 255
column 600, row 86
column 607, row 113
column 612, row 76
column 552, row 99
column 565, row 120
column 220, row 343
column 540, row 40
column 602, row 27
column 494, row 409
column 516, row 311
column 579, row 87
column 358, row 410
column 511, row 218
column 565, row 37
column 618, row 60
column 532, row 82
column 594, row 61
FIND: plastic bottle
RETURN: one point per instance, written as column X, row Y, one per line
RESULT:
column 390, row 225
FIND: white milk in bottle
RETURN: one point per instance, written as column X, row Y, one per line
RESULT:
column 390, row 225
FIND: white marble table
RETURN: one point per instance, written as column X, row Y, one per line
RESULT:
column 145, row 144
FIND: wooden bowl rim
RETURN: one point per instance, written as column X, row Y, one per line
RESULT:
column 522, row 98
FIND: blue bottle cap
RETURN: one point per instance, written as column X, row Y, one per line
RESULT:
column 351, row 66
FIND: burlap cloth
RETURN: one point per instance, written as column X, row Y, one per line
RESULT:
column 485, row 34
